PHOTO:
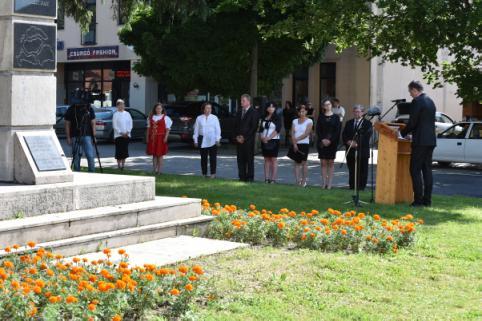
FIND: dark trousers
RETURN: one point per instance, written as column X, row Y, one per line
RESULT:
column 421, row 172
column 210, row 152
column 362, row 171
column 245, row 156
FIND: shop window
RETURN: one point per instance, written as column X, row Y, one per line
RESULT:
column 89, row 37
column 327, row 80
column 122, row 13
column 300, row 86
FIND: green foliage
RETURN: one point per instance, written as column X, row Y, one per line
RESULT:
column 213, row 54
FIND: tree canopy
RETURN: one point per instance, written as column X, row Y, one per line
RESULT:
column 440, row 36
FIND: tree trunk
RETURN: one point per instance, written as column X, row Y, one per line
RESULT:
column 253, row 87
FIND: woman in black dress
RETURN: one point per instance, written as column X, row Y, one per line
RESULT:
column 328, row 130
column 269, row 136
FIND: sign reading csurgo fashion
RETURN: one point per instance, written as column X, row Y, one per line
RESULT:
column 93, row 53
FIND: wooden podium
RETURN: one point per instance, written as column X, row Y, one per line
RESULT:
column 394, row 184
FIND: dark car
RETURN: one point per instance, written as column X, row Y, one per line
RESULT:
column 103, row 123
column 184, row 115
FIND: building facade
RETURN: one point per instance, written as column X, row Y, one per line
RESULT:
column 97, row 63
column 357, row 80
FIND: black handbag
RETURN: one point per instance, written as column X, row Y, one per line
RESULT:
column 296, row 156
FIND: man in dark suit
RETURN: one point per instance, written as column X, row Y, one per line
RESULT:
column 245, row 129
column 359, row 144
column 422, row 126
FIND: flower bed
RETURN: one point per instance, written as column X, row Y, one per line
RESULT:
column 326, row 231
column 39, row 285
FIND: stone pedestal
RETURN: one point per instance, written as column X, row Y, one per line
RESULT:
column 28, row 90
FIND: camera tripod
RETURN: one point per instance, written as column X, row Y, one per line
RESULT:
column 81, row 128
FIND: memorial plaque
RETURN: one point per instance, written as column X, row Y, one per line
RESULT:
column 34, row 46
column 45, row 153
column 46, row 8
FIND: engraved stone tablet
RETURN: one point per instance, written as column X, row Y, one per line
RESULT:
column 34, row 46
column 44, row 153
column 46, row 8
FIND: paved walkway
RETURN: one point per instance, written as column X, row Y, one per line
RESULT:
column 184, row 160
column 168, row 251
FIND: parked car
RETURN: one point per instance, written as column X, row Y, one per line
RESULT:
column 184, row 115
column 103, row 123
column 442, row 121
column 461, row 143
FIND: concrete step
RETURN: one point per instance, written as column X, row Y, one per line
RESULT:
column 59, row 226
column 88, row 190
column 112, row 239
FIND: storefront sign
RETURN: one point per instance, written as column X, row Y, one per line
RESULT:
column 123, row 74
column 34, row 46
column 93, row 53
column 46, row 8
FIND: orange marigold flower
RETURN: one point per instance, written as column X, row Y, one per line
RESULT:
column 91, row 307
column 106, row 251
column 193, row 278
column 389, row 238
column 197, row 269
column 149, row 277
column 327, row 231
column 71, row 299
column 31, row 244
column 252, row 207
column 37, row 290
column 358, row 227
column 175, row 292
column 281, row 225
column 8, row 249
column 116, row 318
column 303, row 237
column 121, row 285
column 368, row 237
column 189, row 287
column 344, row 232
column 33, row 311
column 16, row 246
column 304, row 222
column 32, row 271
column 183, row 269
column 361, row 215
column 8, row 265
column 420, row 221
column 376, row 217
column 76, row 260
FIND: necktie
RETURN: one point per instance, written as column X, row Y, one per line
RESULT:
column 243, row 113
column 356, row 124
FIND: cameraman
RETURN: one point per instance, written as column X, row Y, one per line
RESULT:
column 80, row 126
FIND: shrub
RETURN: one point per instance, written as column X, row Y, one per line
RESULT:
column 39, row 285
column 330, row 231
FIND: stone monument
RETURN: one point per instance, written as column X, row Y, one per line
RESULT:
column 30, row 152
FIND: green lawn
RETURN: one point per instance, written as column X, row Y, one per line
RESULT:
column 439, row 278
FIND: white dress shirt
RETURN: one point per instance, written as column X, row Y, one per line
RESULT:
column 122, row 123
column 209, row 128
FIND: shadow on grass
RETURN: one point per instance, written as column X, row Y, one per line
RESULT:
column 459, row 209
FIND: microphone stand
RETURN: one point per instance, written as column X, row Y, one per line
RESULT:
column 358, row 133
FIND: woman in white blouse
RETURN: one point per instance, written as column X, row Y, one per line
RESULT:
column 122, row 124
column 207, row 136
column 300, row 139
column 269, row 136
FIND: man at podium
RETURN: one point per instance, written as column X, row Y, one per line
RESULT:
column 422, row 127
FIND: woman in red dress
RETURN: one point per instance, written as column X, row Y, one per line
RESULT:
column 158, row 126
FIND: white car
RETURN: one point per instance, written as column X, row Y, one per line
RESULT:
column 461, row 143
column 442, row 121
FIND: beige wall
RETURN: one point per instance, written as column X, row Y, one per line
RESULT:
column 352, row 80
column 372, row 83
column 390, row 82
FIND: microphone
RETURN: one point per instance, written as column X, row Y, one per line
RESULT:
column 399, row 100
column 374, row 111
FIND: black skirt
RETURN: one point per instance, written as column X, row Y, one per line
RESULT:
column 305, row 149
column 121, row 148
column 328, row 152
column 271, row 149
